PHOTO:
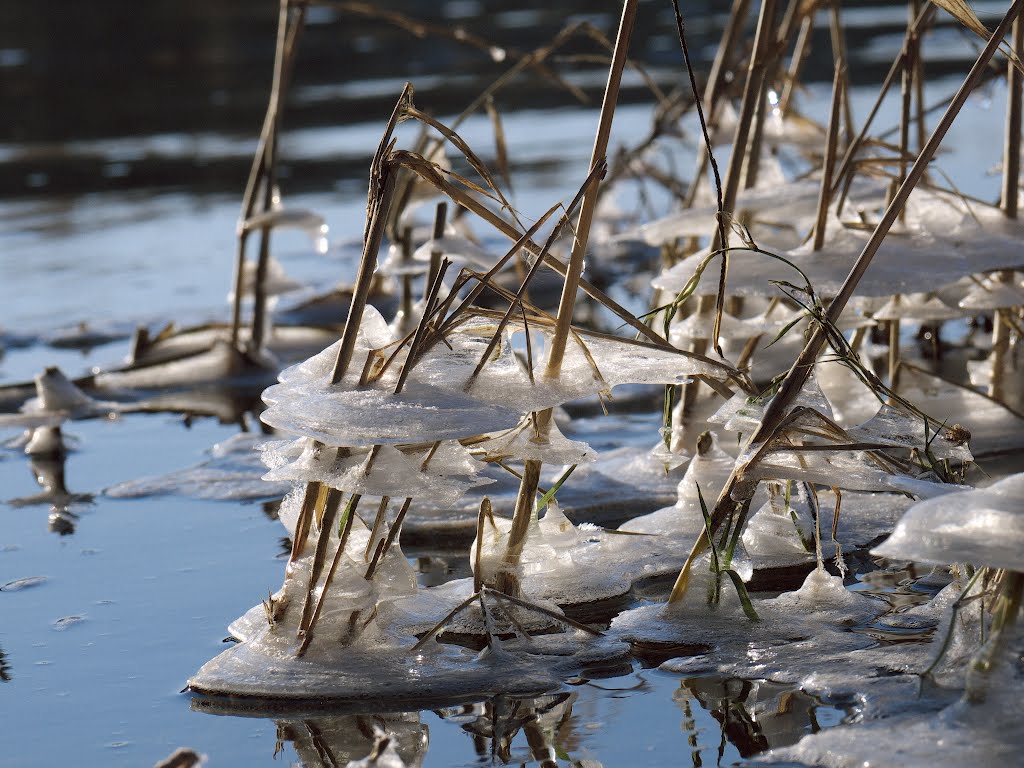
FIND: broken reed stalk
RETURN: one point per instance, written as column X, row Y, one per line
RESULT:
column 269, row 180
column 796, row 63
column 831, row 141
column 288, row 32
column 598, row 155
column 381, row 194
column 406, row 300
column 802, row 366
column 839, row 54
column 508, row 580
column 1012, row 141
column 914, row 9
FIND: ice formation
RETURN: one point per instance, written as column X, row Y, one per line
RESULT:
column 983, row 527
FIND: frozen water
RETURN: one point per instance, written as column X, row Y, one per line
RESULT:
column 525, row 442
column 983, row 527
column 233, row 472
column 392, row 473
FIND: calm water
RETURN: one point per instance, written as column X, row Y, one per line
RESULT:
column 124, row 149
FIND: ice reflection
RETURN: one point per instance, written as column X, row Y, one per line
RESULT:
column 48, row 469
column 5, row 668
column 753, row 716
column 335, row 740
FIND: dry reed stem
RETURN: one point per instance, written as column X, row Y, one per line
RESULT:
column 378, row 522
column 283, row 63
column 393, row 532
column 380, row 196
column 712, row 91
column 270, row 177
column 589, row 205
column 1012, row 141
column 428, row 308
column 731, row 187
column 440, row 215
column 844, row 172
column 306, row 633
column 796, row 63
column 831, row 140
column 330, row 510
column 802, row 366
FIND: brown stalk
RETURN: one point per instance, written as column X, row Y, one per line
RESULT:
column 435, row 254
column 265, row 156
column 330, row 510
column 381, row 192
column 428, row 307
column 713, row 90
column 756, row 70
column 393, row 532
column 378, row 522
column 306, row 632
column 1010, row 197
column 796, row 63
column 508, row 580
column 484, row 513
column 802, row 366
column 831, row 140
column 843, row 172
column 597, row 158
column 429, row 173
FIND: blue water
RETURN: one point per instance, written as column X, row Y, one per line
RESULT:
column 138, row 595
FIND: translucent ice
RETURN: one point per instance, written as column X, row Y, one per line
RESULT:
column 983, row 527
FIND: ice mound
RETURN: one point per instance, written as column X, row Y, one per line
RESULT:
column 983, row 527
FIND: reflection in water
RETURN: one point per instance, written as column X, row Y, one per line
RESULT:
column 5, row 668
column 503, row 731
column 544, row 721
column 336, row 740
column 48, row 470
column 725, row 721
column 753, row 715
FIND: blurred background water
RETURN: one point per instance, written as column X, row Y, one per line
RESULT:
column 126, row 133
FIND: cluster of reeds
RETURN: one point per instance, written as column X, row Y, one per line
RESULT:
column 447, row 379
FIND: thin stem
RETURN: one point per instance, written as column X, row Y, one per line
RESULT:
column 574, row 270
column 825, row 193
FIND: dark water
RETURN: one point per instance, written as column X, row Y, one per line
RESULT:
column 124, row 145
